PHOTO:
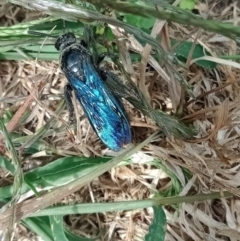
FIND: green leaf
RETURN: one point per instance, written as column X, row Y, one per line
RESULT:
column 44, row 49
column 51, row 228
column 40, row 226
column 56, row 224
column 57, row 173
column 64, row 170
column 31, row 186
column 6, row 164
column 187, row 4
column 58, row 24
column 140, row 22
column 13, row 55
column 184, row 48
column 8, row 115
column 157, row 229
column 7, row 191
column 175, row 188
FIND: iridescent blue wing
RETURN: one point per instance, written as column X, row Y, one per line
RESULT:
column 100, row 106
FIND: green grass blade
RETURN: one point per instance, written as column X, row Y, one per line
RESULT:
column 157, row 229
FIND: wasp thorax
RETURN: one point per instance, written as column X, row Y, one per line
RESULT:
column 64, row 41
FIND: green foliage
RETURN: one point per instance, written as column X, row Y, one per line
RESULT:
column 6, row 164
column 17, row 44
column 54, row 174
column 52, row 228
column 157, row 229
column 182, row 52
column 41, row 226
column 16, row 167
column 143, row 23
column 56, row 224
column 187, row 4
column 175, row 188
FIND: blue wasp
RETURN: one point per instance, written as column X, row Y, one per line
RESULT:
column 103, row 110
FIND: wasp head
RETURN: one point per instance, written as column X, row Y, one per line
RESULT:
column 64, row 41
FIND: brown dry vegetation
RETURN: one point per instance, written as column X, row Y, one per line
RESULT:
column 213, row 158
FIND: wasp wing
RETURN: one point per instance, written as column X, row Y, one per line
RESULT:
column 100, row 106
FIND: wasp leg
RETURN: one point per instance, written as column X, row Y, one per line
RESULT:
column 103, row 55
column 113, row 82
column 68, row 97
column 84, row 43
column 108, row 77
